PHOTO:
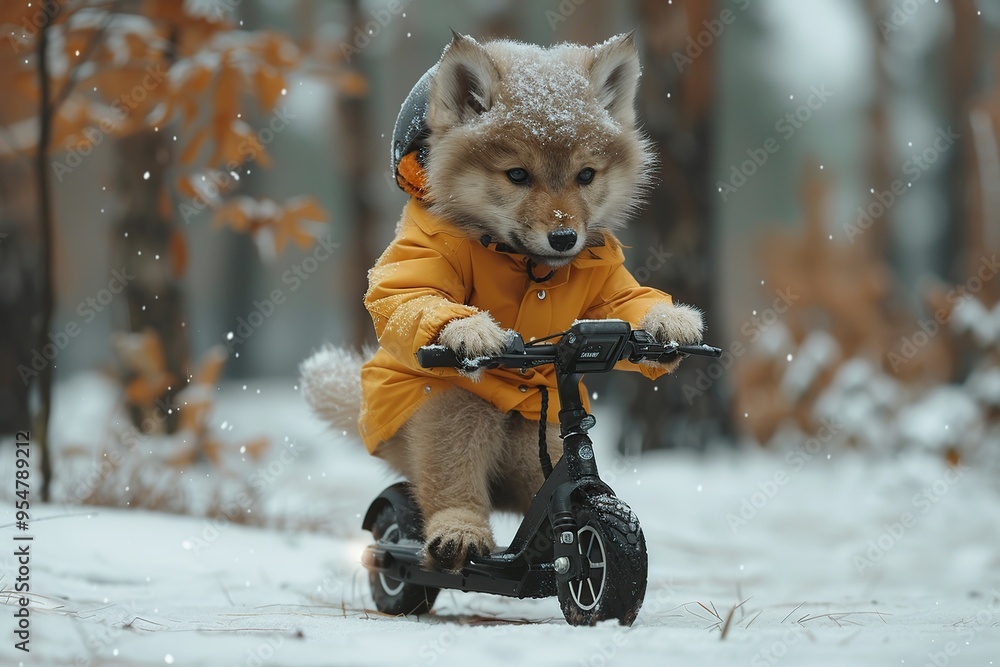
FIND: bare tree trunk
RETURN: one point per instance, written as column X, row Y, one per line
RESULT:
column 675, row 102
column 47, row 301
column 965, row 62
column 19, row 292
column 146, row 243
column 356, row 144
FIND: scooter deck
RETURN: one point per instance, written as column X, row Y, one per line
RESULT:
column 501, row 573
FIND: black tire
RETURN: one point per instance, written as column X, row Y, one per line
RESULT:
column 393, row 596
column 609, row 534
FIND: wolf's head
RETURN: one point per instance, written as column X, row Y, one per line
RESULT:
column 536, row 147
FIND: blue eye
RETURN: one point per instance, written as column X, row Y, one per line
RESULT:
column 585, row 176
column 517, row 176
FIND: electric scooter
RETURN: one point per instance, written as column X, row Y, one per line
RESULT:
column 578, row 541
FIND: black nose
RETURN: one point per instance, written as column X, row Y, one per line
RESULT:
column 562, row 239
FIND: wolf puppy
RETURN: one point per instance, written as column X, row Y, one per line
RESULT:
column 529, row 160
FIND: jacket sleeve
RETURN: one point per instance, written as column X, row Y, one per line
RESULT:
column 413, row 291
column 621, row 297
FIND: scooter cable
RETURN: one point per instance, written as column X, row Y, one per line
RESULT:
column 543, row 445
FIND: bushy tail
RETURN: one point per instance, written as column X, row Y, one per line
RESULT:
column 331, row 385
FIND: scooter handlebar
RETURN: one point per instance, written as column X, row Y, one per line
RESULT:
column 439, row 356
column 641, row 346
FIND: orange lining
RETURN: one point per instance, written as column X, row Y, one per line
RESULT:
column 410, row 175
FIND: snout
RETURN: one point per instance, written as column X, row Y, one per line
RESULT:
column 562, row 239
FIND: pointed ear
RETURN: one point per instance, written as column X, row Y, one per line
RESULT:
column 464, row 84
column 614, row 75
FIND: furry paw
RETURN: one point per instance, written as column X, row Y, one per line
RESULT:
column 474, row 336
column 678, row 323
column 455, row 535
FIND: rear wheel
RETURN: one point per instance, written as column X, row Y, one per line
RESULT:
column 391, row 595
column 610, row 539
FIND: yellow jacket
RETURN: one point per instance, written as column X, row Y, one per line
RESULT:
column 433, row 273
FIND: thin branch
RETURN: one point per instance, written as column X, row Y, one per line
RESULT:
column 88, row 52
column 840, row 616
column 710, row 611
column 793, row 611
column 729, row 620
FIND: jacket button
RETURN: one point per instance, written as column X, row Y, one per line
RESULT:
column 427, row 389
column 523, row 388
column 541, row 294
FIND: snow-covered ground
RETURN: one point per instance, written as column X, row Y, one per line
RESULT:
column 840, row 560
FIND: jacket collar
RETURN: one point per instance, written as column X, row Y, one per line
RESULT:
column 608, row 252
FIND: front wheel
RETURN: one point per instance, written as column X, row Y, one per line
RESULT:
column 610, row 538
column 391, row 595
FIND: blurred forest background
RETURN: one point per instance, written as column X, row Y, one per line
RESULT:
column 191, row 194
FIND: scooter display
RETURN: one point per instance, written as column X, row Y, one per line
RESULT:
column 578, row 540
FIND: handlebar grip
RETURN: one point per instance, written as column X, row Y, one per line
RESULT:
column 701, row 350
column 438, row 356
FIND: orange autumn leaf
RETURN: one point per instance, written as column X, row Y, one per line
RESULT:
column 186, row 188
column 196, row 81
column 352, row 84
column 143, row 355
column 210, row 368
column 256, row 447
column 76, row 42
column 234, row 214
column 138, row 48
column 269, row 84
column 273, row 225
column 178, row 253
column 190, row 151
column 305, row 208
column 143, row 391
column 277, row 51
column 289, row 227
